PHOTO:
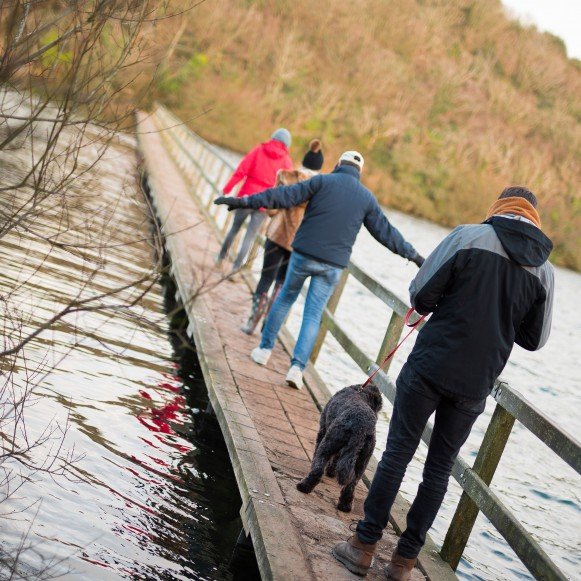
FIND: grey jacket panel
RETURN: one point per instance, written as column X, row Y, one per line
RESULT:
column 543, row 311
column 547, row 276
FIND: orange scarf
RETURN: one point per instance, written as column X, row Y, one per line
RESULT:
column 515, row 205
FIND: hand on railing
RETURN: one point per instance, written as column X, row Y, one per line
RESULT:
column 232, row 203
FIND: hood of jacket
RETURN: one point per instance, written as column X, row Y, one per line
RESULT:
column 274, row 149
column 524, row 243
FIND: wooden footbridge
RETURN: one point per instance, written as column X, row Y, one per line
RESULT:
column 270, row 428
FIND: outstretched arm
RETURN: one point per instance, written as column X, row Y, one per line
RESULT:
column 381, row 229
column 280, row 197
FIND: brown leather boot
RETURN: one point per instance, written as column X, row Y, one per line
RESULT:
column 400, row 569
column 355, row 555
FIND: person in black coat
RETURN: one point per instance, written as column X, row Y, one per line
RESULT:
column 487, row 286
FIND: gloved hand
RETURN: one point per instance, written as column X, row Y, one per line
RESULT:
column 418, row 259
column 232, row 203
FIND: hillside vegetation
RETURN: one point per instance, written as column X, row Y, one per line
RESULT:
column 450, row 101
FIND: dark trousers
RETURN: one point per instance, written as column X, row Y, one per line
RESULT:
column 274, row 266
column 415, row 401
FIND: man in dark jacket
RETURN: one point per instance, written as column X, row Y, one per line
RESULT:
column 338, row 205
column 487, row 286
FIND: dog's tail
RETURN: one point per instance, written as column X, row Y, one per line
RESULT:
column 347, row 460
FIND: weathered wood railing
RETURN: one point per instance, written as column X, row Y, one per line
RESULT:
column 205, row 165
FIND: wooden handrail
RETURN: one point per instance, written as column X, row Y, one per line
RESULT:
column 511, row 404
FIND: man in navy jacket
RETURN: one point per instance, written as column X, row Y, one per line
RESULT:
column 487, row 286
column 338, row 205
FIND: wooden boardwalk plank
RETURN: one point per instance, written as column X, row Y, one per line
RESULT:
column 268, row 427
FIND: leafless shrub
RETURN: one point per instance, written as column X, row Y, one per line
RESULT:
column 449, row 101
column 66, row 91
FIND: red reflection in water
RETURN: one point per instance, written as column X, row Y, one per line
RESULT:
column 169, row 411
column 139, row 475
column 154, row 470
column 157, row 420
column 95, row 562
column 155, row 425
column 158, row 461
column 150, row 443
column 169, row 386
column 137, row 530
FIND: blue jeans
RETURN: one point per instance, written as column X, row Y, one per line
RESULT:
column 324, row 279
column 416, row 399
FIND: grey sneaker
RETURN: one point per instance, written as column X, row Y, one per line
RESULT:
column 294, row 377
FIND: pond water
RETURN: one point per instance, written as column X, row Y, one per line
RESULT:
column 130, row 476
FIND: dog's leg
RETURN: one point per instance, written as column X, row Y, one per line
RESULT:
column 320, row 437
column 326, row 448
column 322, row 430
column 346, row 497
column 331, row 470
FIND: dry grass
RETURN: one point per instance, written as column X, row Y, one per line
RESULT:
column 449, row 101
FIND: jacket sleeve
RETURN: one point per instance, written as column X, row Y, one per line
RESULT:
column 381, row 229
column 431, row 281
column 535, row 328
column 242, row 170
column 284, row 196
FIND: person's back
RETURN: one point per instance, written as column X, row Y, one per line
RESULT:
column 259, row 167
column 270, row 158
column 334, row 216
column 488, row 286
column 257, row 171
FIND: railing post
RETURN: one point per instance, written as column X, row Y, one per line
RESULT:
column 196, row 186
column 485, row 464
column 331, row 307
column 391, row 339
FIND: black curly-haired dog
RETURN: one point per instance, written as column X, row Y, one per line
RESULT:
column 345, row 441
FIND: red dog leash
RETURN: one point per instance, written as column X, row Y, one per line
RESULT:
column 392, row 352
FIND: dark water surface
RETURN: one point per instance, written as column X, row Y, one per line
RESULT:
column 149, row 492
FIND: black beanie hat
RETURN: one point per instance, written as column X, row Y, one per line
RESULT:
column 313, row 159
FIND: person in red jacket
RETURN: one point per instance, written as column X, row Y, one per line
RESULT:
column 258, row 169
